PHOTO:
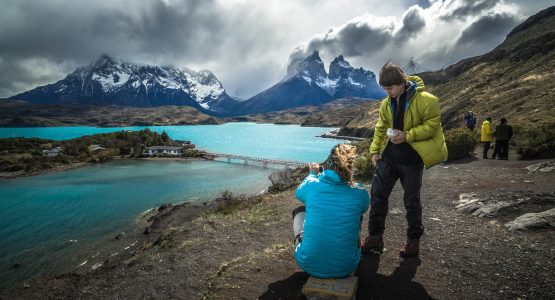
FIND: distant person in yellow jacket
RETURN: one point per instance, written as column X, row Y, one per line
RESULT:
column 486, row 136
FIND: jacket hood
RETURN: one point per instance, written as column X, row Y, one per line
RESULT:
column 331, row 176
column 420, row 86
column 416, row 86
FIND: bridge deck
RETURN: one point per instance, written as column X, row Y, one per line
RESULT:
column 264, row 161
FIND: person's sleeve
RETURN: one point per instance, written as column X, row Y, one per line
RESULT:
column 305, row 186
column 379, row 131
column 431, row 122
column 365, row 201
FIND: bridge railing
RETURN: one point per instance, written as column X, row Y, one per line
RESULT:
column 265, row 162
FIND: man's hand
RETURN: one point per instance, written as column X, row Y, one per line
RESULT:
column 314, row 167
column 399, row 138
column 375, row 158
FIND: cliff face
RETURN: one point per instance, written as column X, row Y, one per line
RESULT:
column 514, row 80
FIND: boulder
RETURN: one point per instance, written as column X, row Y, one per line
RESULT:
column 281, row 180
column 545, row 219
column 543, row 167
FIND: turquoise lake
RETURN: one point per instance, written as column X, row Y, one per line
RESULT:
column 286, row 142
column 56, row 222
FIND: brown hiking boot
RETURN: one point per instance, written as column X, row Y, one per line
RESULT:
column 372, row 244
column 410, row 248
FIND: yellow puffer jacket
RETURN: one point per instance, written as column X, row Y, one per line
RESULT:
column 421, row 123
column 486, row 134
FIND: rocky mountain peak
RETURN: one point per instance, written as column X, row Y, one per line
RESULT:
column 312, row 67
column 339, row 67
column 103, row 61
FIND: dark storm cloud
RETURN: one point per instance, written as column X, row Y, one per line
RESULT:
column 468, row 8
column 354, row 39
column 357, row 38
column 361, row 36
column 486, row 30
column 79, row 32
column 413, row 22
column 45, row 30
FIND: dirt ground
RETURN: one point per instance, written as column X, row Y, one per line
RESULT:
column 245, row 251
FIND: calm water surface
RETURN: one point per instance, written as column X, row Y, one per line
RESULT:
column 55, row 222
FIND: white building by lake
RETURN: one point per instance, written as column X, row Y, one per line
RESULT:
column 52, row 152
column 170, row 150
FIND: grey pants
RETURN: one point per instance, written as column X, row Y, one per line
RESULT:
column 299, row 214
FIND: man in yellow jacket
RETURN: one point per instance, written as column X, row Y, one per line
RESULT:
column 486, row 136
column 407, row 137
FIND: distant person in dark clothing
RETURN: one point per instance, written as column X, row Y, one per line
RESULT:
column 470, row 120
column 486, row 136
column 503, row 133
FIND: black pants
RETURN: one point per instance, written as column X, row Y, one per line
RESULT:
column 384, row 179
column 501, row 149
column 486, row 149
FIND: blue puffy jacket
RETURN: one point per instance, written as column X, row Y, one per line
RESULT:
column 329, row 248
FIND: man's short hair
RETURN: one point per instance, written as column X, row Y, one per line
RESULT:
column 488, row 118
column 503, row 120
column 391, row 74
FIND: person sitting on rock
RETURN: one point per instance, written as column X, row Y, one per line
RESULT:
column 327, row 227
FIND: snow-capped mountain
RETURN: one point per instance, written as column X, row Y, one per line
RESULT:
column 107, row 81
column 344, row 80
column 307, row 83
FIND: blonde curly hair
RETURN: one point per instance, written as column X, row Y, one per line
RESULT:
column 341, row 160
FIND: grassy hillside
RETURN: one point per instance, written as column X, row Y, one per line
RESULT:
column 21, row 114
column 514, row 80
column 336, row 113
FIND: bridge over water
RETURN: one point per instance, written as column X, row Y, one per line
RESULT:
column 257, row 161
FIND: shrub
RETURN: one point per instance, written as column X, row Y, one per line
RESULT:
column 192, row 153
column 363, row 168
column 535, row 141
column 460, row 143
column 227, row 203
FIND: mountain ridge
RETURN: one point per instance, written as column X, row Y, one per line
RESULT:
column 308, row 83
column 107, row 81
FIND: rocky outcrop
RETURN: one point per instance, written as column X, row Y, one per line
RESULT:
column 545, row 219
column 518, row 210
column 543, row 167
column 282, row 180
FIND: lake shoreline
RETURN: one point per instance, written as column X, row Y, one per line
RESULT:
column 245, row 251
column 71, row 166
column 118, row 245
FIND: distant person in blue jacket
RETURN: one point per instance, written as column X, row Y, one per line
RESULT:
column 470, row 120
column 327, row 227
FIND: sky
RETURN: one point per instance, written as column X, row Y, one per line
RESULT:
column 247, row 44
